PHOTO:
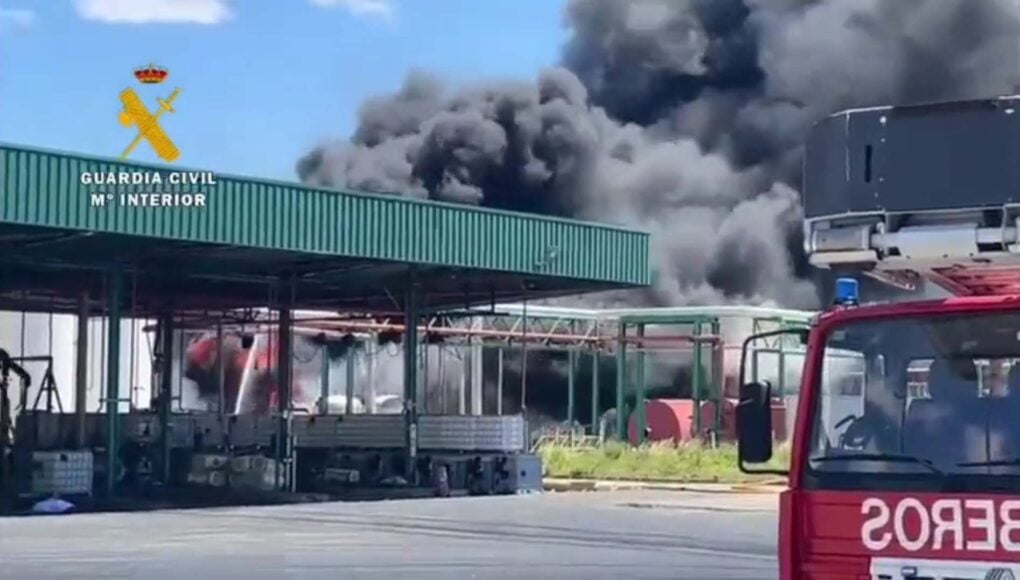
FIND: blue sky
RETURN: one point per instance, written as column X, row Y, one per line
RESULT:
column 261, row 80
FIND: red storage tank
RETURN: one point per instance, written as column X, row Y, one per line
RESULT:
column 666, row 419
column 673, row 420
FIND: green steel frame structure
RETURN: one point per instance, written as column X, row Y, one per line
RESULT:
column 623, row 336
column 275, row 245
column 705, row 334
column 629, row 334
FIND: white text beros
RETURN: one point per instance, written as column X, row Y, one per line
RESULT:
column 977, row 525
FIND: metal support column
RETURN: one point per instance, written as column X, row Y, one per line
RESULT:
column 621, row 378
column 571, row 365
column 639, row 395
column 165, row 389
column 594, row 392
column 349, row 381
column 324, row 382
column 285, row 361
column 81, row 369
column 113, row 298
column 441, row 395
column 465, row 355
column 423, row 378
column 697, row 380
column 499, row 380
column 370, row 374
column 781, row 379
column 476, row 378
column 524, row 360
column 717, row 378
column 285, row 396
column 411, row 305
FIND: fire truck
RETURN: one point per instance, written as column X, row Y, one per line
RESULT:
column 921, row 478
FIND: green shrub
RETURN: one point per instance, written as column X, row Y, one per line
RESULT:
column 689, row 462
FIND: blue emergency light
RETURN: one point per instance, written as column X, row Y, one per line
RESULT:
column 847, row 292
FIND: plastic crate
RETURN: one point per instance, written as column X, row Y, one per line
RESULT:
column 62, row 472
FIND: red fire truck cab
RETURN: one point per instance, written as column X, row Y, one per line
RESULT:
column 920, row 476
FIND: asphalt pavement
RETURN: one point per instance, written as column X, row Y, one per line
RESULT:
column 562, row 536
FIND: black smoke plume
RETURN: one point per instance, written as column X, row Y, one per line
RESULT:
column 685, row 118
column 682, row 117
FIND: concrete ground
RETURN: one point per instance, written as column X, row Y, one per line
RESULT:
column 593, row 535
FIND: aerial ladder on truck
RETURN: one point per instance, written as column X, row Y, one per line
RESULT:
column 918, row 193
column 908, row 195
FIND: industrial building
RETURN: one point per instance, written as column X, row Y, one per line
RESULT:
column 150, row 337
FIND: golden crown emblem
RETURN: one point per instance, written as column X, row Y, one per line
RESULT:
column 151, row 74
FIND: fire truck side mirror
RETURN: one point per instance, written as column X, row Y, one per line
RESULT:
column 754, row 423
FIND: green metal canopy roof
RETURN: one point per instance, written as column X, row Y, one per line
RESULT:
column 342, row 249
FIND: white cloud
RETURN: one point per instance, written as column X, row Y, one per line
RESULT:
column 16, row 18
column 377, row 8
column 155, row 11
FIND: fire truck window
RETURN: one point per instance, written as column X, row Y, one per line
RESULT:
column 843, row 373
column 933, row 393
column 778, row 359
column 793, row 368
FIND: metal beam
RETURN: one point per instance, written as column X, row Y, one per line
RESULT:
column 524, row 361
column 476, row 378
column 165, row 360
column 349, row 381
column 594, row 392
column 425, row 351
column 717, row 384
column 370, row 380
column 639, row 395
column 441, row 381
column 697, row 381
column 81, row 370
column 621, row 378
column 324, row 382
column 465, row 360
column 285, row 394
column 571, row 366
column 499, row 380
column 411, row 305
column 113, row 305
column 285, row 383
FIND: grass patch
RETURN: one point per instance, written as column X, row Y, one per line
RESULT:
column 689, row 462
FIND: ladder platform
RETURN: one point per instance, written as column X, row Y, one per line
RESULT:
column 918, row 192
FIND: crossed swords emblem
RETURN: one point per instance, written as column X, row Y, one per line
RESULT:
column 135, row 113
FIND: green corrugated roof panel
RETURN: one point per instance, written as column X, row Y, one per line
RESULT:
column 44, row 188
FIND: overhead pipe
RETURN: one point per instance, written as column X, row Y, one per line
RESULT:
column 530, row 336
column 339, row 328
column 334, row 327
